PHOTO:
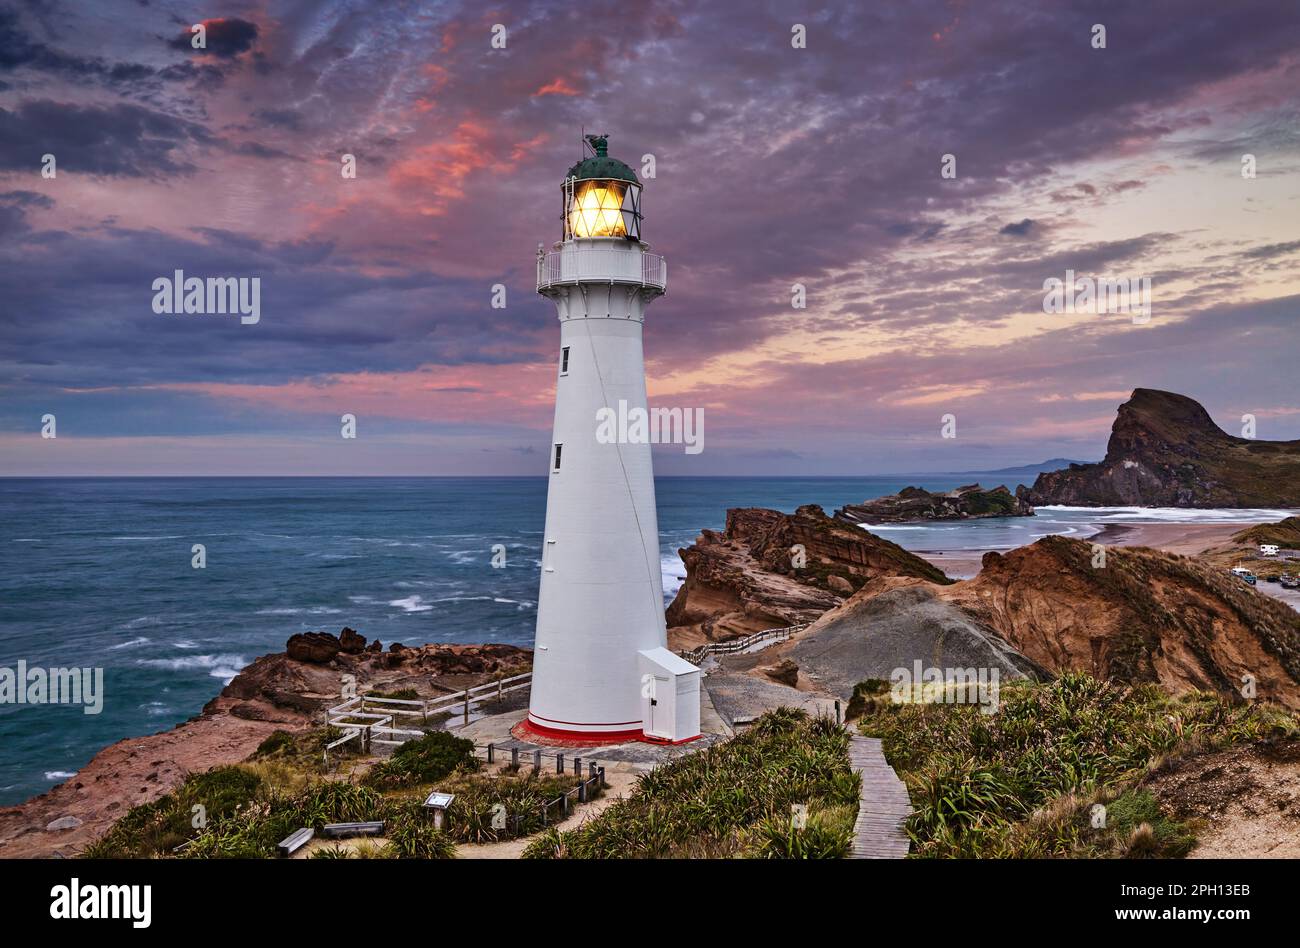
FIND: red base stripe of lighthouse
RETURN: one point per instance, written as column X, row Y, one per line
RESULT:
column 580, row 738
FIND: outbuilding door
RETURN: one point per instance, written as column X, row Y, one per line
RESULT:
column 657, row 721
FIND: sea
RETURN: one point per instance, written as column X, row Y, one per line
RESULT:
column 97, row 572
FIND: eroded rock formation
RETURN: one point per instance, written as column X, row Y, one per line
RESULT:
column 768, row 569
column 1166, row 451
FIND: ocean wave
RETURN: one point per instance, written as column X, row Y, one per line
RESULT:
column 673, row 573
column 217, row 666
column 411, row 604
column 177, row 537
column 60, row 774
column 522, row 605
column 310, row 610
column 1175, row 514
column 129, row 644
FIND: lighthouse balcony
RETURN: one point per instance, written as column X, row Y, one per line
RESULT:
column 604, row 261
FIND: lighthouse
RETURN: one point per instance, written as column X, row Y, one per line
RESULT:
column 601, row 668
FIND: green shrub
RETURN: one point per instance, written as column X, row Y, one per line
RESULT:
column 401, row 694
column 275, row 742
column 424, row 760
column 867, row 696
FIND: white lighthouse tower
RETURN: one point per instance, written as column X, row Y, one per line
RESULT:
column 601, row 669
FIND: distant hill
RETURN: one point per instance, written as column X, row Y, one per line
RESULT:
column 1053, row 464
column 1285, row 533
column 1024, row 470
column 1166, row 451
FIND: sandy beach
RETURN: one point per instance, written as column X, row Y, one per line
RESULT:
column 1187, row 539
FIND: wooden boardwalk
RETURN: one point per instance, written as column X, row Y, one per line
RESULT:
column 883, row 805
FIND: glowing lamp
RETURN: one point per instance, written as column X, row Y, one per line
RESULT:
column 602, row 197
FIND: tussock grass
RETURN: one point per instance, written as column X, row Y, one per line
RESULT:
column 1023, row 781
column 731, row 799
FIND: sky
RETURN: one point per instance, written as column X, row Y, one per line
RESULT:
column 776, row 162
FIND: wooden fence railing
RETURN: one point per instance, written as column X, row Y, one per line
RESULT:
column 698, row 654
column 368, row 719
column 553, row 811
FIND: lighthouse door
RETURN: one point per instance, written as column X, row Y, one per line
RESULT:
column 658, row 719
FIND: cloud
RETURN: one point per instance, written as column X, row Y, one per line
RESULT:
column 19, row 50
column 774, row 166
column 226, row 37
column 1273, row 250
column 122, row 140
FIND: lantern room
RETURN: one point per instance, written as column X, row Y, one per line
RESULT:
column 602, row 196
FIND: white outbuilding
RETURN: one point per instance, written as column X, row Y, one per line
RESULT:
column 670, row 696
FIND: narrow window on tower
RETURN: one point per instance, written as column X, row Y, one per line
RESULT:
column 556, row 466
column 564, row 361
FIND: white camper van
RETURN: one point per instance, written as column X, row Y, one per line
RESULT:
column 1268, row 549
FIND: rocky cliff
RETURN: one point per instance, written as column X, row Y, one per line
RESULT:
column 282, row 691
column 1143, row 616
column 1165, row 451
column 915, row 503
column 768, row 569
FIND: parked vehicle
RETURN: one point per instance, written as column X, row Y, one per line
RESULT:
column 1268, row 549
column 1245, row 575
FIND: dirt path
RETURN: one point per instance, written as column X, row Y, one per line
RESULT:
column 1247, row 800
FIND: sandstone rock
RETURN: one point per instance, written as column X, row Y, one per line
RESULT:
column 769, row 569
column 62, row 823
column 840, row 585
column 785, row 671
column 375, row 646
column 1146, row 616
column 314, row 647
column 351, row 641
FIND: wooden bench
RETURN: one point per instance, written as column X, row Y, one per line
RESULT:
column 344, row 830
column 295, row 841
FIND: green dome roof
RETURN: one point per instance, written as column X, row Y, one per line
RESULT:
column 600, row 165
